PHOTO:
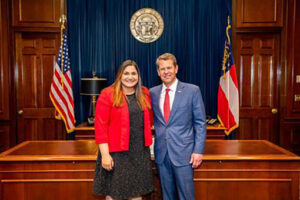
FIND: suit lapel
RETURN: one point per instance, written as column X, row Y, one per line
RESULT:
column 157, row 108
column 177, row 99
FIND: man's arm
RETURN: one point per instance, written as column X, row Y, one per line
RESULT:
column 199, row 126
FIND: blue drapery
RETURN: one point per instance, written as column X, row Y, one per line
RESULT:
column 100, row 40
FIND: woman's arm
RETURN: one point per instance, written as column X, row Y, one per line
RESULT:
column 107, row 161
column 102, row 116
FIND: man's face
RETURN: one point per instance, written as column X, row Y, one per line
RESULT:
column 167, row 71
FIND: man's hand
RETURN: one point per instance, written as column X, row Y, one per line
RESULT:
column 196, row 160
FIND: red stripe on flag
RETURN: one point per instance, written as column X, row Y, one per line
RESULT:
column 66, row 91
column 64, row 102
column 224, row 112
column 68, row 79
column 60, row 109
column 69, row 96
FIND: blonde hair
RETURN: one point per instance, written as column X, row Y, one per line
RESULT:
column 166, row 56
column 117, row 86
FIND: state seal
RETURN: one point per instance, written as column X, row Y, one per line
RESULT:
column 146, row 25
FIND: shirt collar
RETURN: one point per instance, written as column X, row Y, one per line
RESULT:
column 172, row 87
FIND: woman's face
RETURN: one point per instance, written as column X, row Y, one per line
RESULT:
column 129, row 77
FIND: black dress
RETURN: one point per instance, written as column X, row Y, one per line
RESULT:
column 132, row 172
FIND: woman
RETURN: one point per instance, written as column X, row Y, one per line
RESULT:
column 123, row 120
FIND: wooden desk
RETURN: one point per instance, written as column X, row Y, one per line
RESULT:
column 231, row 169
column 85, row 132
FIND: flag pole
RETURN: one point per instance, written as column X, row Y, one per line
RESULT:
column 62, row 21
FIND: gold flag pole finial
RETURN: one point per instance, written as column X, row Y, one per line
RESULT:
column 63, row 19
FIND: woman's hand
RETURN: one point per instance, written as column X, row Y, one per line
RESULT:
column 107, row 162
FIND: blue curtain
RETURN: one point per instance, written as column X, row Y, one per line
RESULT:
column 100, row 40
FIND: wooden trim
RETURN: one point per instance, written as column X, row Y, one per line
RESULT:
column 49, row 158
column 195, row 170
column 84, row 127
column 48, row 171
column 246, row 170
column 38, row 29
column 44, row 180
column 247, row 157
column 280, row 156
column 14, row 148
column 241, row 180
column 52, row 15
column 276, row 21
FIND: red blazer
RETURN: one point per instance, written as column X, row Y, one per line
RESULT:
column 112, row 123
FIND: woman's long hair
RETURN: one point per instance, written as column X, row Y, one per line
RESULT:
column 117, row 86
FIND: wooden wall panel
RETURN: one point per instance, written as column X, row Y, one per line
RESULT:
column 4, row 137
column 290, row 136
column 265, row 130
column 290, row 116
column 259, row 13
column 296, row 78
column 36, row 13
column 60, row 189
column 35, row 60
column 265, row 80
column 4, row 62
column 252, row 188
column 246, row 128
column 47, row 60
column 257, row 63
column 293, row 40
column 246, row 80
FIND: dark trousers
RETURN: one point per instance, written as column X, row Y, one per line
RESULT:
column 176, row 179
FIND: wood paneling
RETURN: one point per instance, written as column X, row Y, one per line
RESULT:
column 36, row 13
column 60, row 189
column 245, row 188
column 4, row 62
column 257, row 61
column 36, row 56
column 293, row 42
column 231, row 170
column 290, row 116
column 290, row 136
column 4, row 137
column 259, row 13
column 85, row 132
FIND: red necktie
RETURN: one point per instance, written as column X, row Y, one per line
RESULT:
column 167, row 106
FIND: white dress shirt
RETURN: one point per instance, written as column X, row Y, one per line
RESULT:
column 172, row 92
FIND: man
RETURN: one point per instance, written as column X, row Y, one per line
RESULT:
column 180, row 130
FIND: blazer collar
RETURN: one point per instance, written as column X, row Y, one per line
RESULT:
column 177, row 99
column 157, row 94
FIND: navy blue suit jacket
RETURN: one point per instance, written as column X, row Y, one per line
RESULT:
column 186, row 131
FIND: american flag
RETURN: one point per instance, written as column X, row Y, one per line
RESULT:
column 228, row 94
column 61, row 93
